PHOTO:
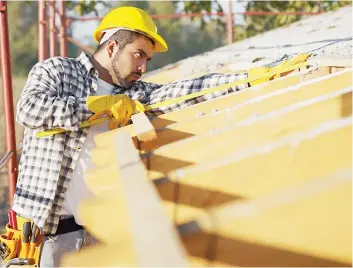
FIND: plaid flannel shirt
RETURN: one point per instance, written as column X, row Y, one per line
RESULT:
column 55, row 96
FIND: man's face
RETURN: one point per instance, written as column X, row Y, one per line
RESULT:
column 129, row 63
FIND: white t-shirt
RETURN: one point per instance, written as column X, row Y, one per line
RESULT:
column 77, row 189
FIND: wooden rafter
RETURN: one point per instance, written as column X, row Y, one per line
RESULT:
column 143, row 128
column 134, row 196
column 235, row 174
column 211, row 145
column 259, row 105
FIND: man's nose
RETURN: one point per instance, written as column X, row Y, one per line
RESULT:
column 143, row 67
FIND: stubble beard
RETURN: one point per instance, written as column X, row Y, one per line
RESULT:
column 116, row 74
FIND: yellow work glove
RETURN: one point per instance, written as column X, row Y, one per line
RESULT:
column 265, row 73
column 120, row 107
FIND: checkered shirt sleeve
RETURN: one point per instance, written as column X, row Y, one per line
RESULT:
column 154, row 93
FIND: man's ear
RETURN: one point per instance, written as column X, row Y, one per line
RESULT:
column 112, row 47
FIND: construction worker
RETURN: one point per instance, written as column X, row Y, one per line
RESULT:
column 50, row 182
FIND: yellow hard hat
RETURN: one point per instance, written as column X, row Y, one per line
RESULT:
column 133, row 19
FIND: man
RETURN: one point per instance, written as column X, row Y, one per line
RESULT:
column 50, row 183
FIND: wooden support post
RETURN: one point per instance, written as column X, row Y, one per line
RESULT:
column 140, row 219
column 143, row 128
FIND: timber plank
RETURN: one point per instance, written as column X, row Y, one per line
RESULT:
column 220, row 103
column 255, row 172
column 285, row 163
column 260, row 105
column 236, row 180
column 211, row 145
column 248, row 133
column 285, row 188
column 310, row 225
column 143, row 128
column 137, row 201
column 237, row 97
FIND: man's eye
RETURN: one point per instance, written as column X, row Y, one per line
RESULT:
column 138, row 54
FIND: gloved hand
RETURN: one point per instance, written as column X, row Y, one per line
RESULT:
column 277, row 68
column 120, row 107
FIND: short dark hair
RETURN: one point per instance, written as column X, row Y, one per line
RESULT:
column 124, row 37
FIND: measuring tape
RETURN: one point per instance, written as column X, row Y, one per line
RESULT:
column 54, row 131
column 225, row 86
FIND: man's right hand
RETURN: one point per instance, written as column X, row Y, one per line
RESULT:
column 120, row 107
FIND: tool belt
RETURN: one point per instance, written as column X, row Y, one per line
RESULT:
column 22, row 242
column 67, row 225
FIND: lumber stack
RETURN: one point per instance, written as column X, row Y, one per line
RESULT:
column 260, row 177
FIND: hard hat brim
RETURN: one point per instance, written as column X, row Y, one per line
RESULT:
column 159, row 43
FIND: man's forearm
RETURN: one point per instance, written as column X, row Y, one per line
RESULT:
column 186, row 87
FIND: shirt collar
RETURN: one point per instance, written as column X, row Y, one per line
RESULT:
column 84, row 59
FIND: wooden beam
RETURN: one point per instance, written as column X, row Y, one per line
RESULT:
column 211, row 145
column 285, row 162
column 173, row 159
column 248, row 133
column 100, row 180
column 209, row 107
column 230, row 100
column 288, row 162
column 324, row 238
column 305, row 226
column 254, row 107
column 137, row 202
column 143, row 128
